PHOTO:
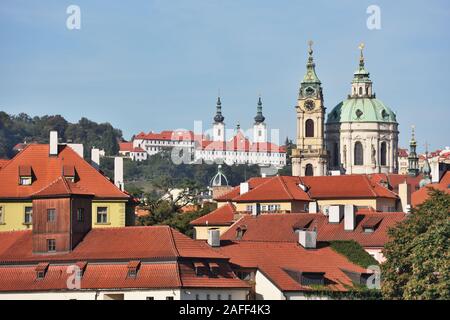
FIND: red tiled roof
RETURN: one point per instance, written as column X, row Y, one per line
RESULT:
column 61, row 187
column 165, row 258
column 223, row 215
column 132, row 243
column 281, row 228
column 273, row 259
column 3, row 162
column 280, row 188
column 395, row 179
column 420, row 196
column 402, row 153
column 126, row 146
column 240, row 143
column 173, row 135
column 47, row 169
column 319, row 187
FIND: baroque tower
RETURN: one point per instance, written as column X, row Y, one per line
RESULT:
column 413, row 159
column 219, row 125
column 310, row 156
column 259, row 127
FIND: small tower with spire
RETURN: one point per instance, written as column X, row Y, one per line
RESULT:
column 413, row 159
column 361, row 83
column 310, row 158
column 219, row 125
column 259, row 127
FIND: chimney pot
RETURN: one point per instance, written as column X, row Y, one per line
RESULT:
column 214, row 237
column 53, row 143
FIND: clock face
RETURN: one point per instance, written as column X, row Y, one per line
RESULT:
column 309, row 105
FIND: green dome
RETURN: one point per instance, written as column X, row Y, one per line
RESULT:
column 361, row 110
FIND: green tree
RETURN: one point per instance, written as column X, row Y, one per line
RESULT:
column 417, row 256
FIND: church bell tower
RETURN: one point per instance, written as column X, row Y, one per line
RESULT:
column 310, row 156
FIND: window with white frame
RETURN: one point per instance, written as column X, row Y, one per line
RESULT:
column 102, row 215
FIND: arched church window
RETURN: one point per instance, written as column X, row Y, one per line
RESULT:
column 383, row 153
column 367, row 91
column 309, row 171
column 360, row 90
column 359, row 154
column 309, row 128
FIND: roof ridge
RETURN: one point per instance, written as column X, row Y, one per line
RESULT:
column 285, row 187
column 172, row 240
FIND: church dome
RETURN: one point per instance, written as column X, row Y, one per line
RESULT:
column 361, row 110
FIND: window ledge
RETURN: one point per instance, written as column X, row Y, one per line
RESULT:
column 103, row 223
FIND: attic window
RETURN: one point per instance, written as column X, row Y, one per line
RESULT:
column 200, row 268
column 371, row 224
column 214, row 267
column 41, row 270
column 240, row 231
column 133, row 268
column 69, row 172
column 307, row 278
column 25, row 175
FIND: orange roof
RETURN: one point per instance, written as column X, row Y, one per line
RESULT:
column 3, row 162
column 47, row 169
column 126, row 146
column 276, row 259
column 286, row 188
column 393, row 180
column 240, row 143
column 61, row 187
column 164, row 256
column 420, row 196
column 222, row 216
column 132, row 243
column 281, row 228
column 276, row 189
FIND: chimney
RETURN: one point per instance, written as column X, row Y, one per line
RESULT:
column 95, row 158
column 53, row 143
column 335, row 213
column 349, row 217
column 244, row 188
column 214, row 237
column 307, row 239
column 78, row 148
column 118, row 172
column 404, row 193
column 312, row 207
column 256, row 209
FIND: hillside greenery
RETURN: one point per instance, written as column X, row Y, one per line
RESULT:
column 23, row 128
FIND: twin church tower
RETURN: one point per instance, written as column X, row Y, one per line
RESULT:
column 360, row 134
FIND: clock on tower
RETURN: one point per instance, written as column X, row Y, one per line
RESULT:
column 310, row 156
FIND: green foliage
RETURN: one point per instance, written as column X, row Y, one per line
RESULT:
column 163, row 214
column 354, row 252
column 19, row 128
column 418, row 257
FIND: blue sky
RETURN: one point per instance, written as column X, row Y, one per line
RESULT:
column 154, row 65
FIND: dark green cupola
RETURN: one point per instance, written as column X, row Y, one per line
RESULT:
column 218, row 118
column 259, row 118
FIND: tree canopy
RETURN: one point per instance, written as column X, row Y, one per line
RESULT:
column 23, row 128
column 418, row 257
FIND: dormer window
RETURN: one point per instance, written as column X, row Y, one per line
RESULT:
column 307, row 278
column 25, row 175
column 214, row 268
column 371, row 224
column 69, row 173
column 133, row 268
column 200, row 268
column 240, row 231
column 41, row 270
